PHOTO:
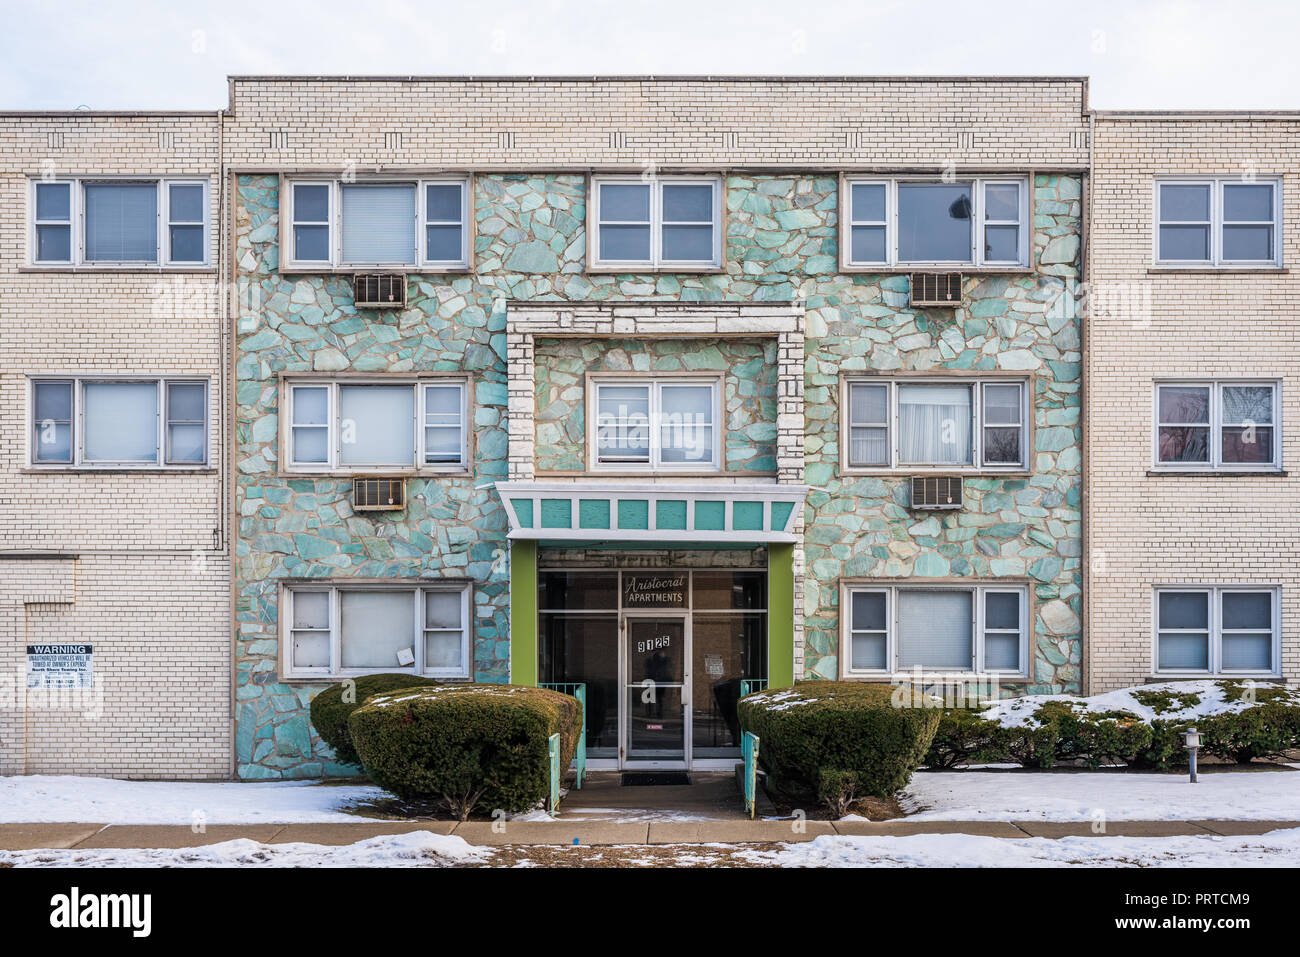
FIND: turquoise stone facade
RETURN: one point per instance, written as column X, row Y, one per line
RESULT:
column 747, row 368
column 782, row 244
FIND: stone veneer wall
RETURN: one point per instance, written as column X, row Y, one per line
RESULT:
column 747, row 368
column 782, row 245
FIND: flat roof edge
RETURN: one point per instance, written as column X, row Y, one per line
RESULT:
column 1236, row 115
column 655, row 77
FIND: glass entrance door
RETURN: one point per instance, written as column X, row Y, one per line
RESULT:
column 655, row 654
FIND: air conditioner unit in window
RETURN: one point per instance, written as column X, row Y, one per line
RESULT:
column 936, row 290
column 378, row 494
column 379, row 290
column 936, row 491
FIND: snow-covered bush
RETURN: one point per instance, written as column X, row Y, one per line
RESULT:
column 469, row 747
column 839, row 741
column 1142, row 726
column 331, row 708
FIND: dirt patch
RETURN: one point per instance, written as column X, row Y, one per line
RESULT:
column 626, row 855
column 872, row 808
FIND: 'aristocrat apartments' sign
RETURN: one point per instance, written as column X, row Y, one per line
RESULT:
column 654, row 591
column 60, row 666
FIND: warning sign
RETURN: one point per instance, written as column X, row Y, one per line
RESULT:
column 60, row 666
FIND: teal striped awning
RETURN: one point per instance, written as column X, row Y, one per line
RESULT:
column 651, row 511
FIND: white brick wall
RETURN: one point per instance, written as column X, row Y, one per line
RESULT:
column 149, row 583
column 1149, row 529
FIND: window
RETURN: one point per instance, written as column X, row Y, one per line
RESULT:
column 363, row 426
column 920, row 424
column 119, row 423
column 1217, row 425
column 353, row 630
column 120, row 222
column 662, row 222
column 1217, row 630
column 346, row 225
column 1218, row 221
column 656, row 424
column 901, row 222
column 950, row 629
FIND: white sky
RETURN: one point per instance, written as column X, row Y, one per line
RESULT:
column 1142, row 54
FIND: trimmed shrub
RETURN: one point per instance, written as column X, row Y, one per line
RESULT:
column 1266, row 731
column 962, row 737
column 1096, row 739
column 468, row 748
column 839, row 741
column 1031, row 746
column 331, row 708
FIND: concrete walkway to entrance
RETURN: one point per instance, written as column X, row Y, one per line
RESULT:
column 26, row 837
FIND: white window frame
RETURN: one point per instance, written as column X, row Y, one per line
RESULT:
column 1215, row 463
column 976, row 260
column 335, row 669
column 77, row 211
column 420, row 261
column 1216, row 630
column 655, row 385
column 656, row 223
column 977, row 386
column 78, row 385
column 978, row 592
column 1216, row 223
column 333, row 405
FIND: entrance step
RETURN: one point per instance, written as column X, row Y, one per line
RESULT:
column 655, row 779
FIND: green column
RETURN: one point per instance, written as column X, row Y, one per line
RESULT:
column 523, row 613
column 780, row 616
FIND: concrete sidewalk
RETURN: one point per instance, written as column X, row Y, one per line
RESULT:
column 26, row 837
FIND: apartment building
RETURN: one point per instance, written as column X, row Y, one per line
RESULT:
column 626, row 382
column 114, row 539
column 683, row 384
column 1193, row 365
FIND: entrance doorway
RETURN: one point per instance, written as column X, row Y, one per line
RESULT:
column 656, row 718
column 663, row 655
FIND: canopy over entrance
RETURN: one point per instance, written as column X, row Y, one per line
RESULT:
column 749, row 513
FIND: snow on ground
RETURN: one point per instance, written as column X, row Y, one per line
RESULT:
column 1032, row 795
column 415, row 849
column 422, row 849
column 1195, row 700
column 41, row 798
column 1275, row 849
column 1024, row 795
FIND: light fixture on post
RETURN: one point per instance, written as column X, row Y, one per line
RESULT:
column 1193, row 741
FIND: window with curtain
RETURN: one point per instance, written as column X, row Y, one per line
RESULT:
column 1217, row 630
column 375, row 425
column 378, row 425
column 423, row 222
column 119, row 422
column 341, row 629
column 934, row 424
column 869, row 425
column 935, row 630
column 656, row 423
column 982, row 628
column 121, row 222
column 1223, row 425
column 966, row 423
column 378, row 223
